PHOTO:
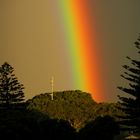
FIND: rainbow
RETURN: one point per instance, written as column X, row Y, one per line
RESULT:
column 80, row 39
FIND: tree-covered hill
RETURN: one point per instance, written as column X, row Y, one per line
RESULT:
column 70, row 115
column 75, row 106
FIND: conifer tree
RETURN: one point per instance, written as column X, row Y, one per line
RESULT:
column 130, row 104
column 11, row 91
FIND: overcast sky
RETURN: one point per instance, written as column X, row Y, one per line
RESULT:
column 30, row 35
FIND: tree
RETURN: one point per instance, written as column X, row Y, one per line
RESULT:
column 130, row 104
column 76, row 107
column 99, row 129
column 56, row 129
column 110, row 109
column 11, row 91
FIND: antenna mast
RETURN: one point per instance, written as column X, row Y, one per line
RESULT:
column 52, row 85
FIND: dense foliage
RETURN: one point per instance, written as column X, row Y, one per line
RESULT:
column 103, row 127
column 22, row 124
column 70, row 115
column 76, row 107
column 130, row 103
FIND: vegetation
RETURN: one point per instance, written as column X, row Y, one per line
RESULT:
column 103, row 127
column 71, row 114
column 76, row 107
column 23, row 124
column 42, row 117
column 11, row 91
column 130, row 104
column 107, row 109
column 67, row 116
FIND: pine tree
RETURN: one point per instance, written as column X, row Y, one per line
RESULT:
column 11, row 91
column 130, row 104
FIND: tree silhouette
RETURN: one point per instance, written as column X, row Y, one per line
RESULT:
column 11, row 91
column 103, row 127
column 131, row 104
column 57, row 129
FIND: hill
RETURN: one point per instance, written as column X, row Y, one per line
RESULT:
column 75, row 106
